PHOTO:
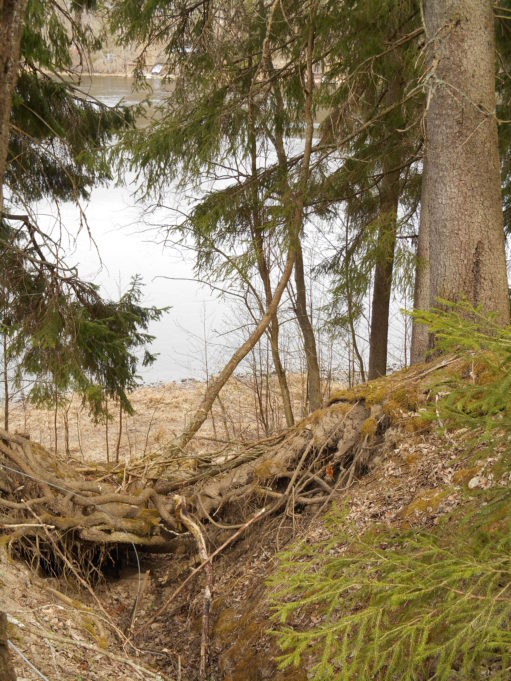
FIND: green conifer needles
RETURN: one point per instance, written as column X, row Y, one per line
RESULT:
column 397, row 604
column 477, row 393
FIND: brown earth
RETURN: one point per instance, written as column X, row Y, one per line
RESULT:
column 413, row 472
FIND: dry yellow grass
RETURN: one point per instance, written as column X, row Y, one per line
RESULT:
column 161, row 413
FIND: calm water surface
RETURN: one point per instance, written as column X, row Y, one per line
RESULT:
column 125, row 244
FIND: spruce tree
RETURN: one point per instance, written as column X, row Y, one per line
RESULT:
column 231, row 103
column 461, row 206
column 54, row 147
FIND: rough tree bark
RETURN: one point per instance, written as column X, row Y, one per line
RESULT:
column 462, row 199
column 12, row 13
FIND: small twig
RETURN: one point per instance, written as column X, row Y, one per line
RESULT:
column 9, row 524
column 181, row 512
column 441, row 423
column 147, row 673
column 143, row 584
column 25, row 659
column 212, row 520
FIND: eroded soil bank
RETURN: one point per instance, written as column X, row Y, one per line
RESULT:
column 371, row 450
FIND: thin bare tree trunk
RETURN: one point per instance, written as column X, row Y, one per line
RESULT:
column 65, row 415
column 389, row 201
column 55, row 423
column 274, row 333
column 264, row 273
column 349, row 304
column 421, row 295
column 6, row 385
column 107, row 439
column 463, row 206
column 378, row 340
column 218, row 383
column 118, row 445
column 295, row 226
column 309, row 339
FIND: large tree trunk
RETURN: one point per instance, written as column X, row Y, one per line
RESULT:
column 463, row 203
column 12, row 13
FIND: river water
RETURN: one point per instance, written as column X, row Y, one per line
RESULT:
column 121, row 239
column 123, row 242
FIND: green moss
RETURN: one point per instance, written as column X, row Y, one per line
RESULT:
column 375, row 395
column 464, row 475
column 368, row 428
column 407, row 398
column 226, row 623
column 393, row 410
column 427, row 501
column 418, row 424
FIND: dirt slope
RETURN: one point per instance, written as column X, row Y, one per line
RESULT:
column 409, row 472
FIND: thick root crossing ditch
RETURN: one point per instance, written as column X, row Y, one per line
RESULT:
column 58, row 514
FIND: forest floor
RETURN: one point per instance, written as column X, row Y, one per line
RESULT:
column 413, row 474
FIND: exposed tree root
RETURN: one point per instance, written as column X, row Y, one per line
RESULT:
column 51, row 515
column 60, row 521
